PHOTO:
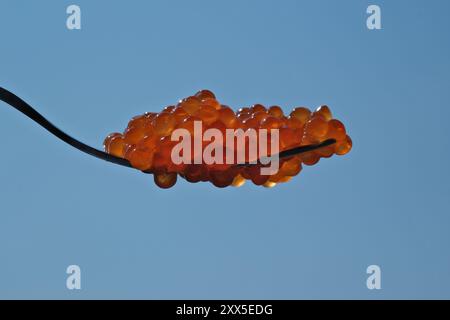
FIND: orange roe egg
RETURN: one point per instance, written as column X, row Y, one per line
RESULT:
column 140, row 158
column 325, row 112
column 310, row 158
column 238, row 181
column 227, row 117
column 208, row 114
column 205, row 94
column 285, row 179
column 244, row 116
column 301, row 113
column 276, row 111
column 291, row 167
column 212, row 103
column 254, row 173
column 165, row 180
column 135, row 134
column 163, row 156
column 139, row 121
column 244, row 110
column 164, row 124
column 269, row 184
column 114, row 144
column 278, row 175
column 258, row 108
column 190, row 104
column 188, row 124
column 288, row 138
column 325, row 152
column 271, row 123
column 294, row 123
column 149, row 142
column 336, row 130
column 221, row 179
column 260, row 116
column 194, row 173
column 344, row 147
column 168, row 109
column 250, row 123
column 317, row 127
column 180, row 114
column 150, row 116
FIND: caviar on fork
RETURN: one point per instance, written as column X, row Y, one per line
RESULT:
column 147, row 145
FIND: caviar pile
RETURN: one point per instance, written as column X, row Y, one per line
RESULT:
column 147, row 145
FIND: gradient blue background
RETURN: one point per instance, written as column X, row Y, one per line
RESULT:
column 386, row 203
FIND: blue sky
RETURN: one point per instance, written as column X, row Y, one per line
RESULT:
column 386, row 203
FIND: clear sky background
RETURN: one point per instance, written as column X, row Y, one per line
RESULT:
column 386, row 203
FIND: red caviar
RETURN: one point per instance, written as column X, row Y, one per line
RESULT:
column 146, row 142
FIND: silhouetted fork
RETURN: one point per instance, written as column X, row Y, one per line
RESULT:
column 17, row 103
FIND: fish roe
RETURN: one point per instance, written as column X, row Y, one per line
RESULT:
column 146, row 142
